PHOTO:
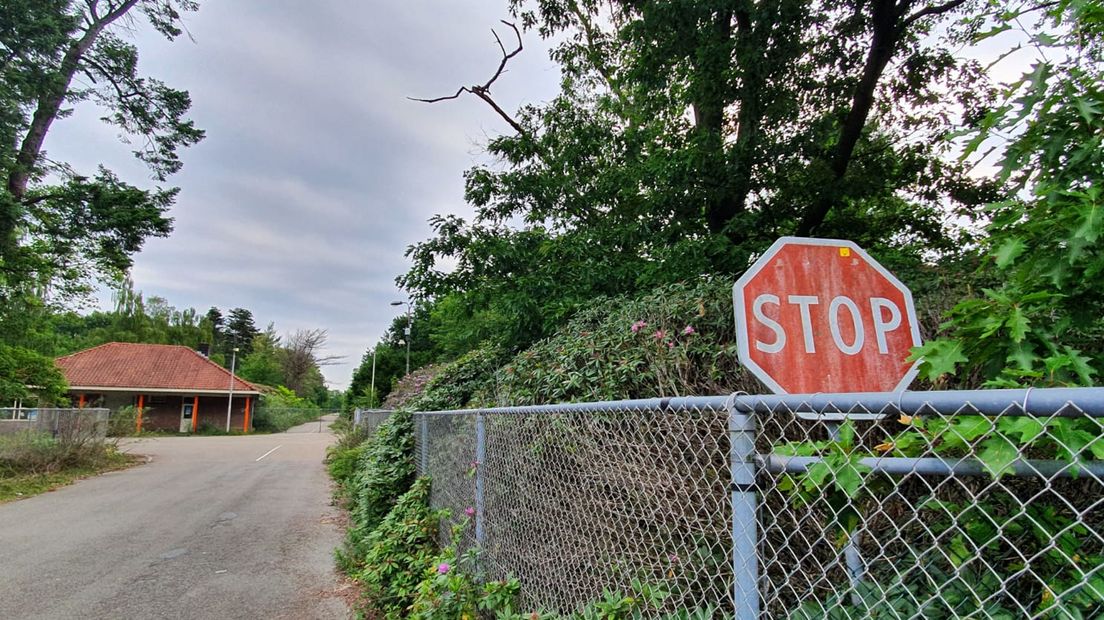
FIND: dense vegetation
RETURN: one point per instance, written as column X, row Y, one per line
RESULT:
column 64, row 230
column 969, row 189
column 688, row 137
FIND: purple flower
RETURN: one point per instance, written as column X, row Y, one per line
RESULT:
column 469, row 511
column 474, row 464
column 673, row 558
column 443, row 568
column 689, row 329
column 637, row 326
column 659, row 335
column 670, row 344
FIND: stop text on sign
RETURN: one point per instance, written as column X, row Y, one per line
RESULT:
column 885, row 316
column 820, row 315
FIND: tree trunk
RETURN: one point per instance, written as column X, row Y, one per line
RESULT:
column 886, row 33
column 47, row 110
column 710, row 99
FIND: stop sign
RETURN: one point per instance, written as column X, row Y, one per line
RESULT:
column 820, row 315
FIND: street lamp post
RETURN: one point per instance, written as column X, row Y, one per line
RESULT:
column 373, row 405
column 408, row 307
column 230, row 400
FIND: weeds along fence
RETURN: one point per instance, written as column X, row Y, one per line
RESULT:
column 70, row 426
column 981, row 504
column 281, row 419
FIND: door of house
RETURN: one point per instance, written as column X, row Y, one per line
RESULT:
column 186, row 413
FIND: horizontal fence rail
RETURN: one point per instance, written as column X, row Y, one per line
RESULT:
column 981, row 504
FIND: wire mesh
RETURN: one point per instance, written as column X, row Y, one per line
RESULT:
column 946, row 514
column 971, row 504
column 66, row 425
column 368, row 420
column 578, row 501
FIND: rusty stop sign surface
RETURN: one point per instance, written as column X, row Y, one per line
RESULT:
column 820, row 315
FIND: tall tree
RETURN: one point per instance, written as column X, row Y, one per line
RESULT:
column 264, row 364
column 60, row 227
column 240, row 332
column 688, row 135
column 301, row 360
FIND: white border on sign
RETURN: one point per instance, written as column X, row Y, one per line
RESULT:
column 738, row 308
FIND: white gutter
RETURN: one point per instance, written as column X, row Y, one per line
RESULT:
column 143, row 390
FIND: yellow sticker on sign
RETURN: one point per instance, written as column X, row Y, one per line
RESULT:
column 845, row 251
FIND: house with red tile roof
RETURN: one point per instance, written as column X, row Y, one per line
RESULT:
column 175, row 388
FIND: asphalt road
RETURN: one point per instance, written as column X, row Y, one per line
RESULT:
column 211, row 527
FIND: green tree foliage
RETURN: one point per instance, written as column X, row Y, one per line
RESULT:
column 263, row 365
column 60, row 228
column 687, row 137
column 390, row 360
column 240, row 332
column 1040, row 323
column 26, row 374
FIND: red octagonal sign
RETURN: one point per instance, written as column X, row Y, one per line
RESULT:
column 820, row 315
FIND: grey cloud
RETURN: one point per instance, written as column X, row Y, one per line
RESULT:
column 317, row 172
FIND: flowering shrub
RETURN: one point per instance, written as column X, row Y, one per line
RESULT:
column 676, row 340
column 453, row 588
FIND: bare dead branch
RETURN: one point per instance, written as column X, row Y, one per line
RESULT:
column 483, row 91
column 462, row 89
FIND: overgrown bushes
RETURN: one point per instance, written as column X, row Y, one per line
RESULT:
column 391, row 548
column 32, row 462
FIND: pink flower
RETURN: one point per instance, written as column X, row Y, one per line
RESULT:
column 469, row 511
column 474, row 464
column 689, row 329
column 670, row 344
column 637, row 326
column 443, row 568
column 659, row 335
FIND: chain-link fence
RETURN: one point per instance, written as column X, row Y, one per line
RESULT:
column 366, row 421
column 71, row 426
column 983, row 504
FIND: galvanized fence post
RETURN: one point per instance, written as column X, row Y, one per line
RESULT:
column 745, row 531
column 851, row 550
column 423, row 444
column 480, row 459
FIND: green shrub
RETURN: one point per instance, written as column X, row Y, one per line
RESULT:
column 465, row 382
column 123, row 422
column 397, row 553
column 676, row 340
column 452, row 587
column 38, row 452
column 384, row 471
column 281, row 409
column 342, row 465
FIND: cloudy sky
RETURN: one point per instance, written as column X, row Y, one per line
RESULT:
column 317, row 172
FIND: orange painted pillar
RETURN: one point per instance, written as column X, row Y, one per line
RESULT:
column 195, row 414
column 80, row 402
column 245, row 423
column 141, row 405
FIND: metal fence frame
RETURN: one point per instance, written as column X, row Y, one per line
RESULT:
column 369, row 419
column 68, row 424
column 747, row 464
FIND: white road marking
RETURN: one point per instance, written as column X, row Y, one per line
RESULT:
column 270, row 452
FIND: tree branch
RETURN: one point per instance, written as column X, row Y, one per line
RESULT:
column 483, row 91
column 931, row 10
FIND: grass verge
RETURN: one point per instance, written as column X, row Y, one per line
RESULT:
column 20, row 486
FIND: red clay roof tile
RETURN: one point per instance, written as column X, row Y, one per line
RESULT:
column 150, row 366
